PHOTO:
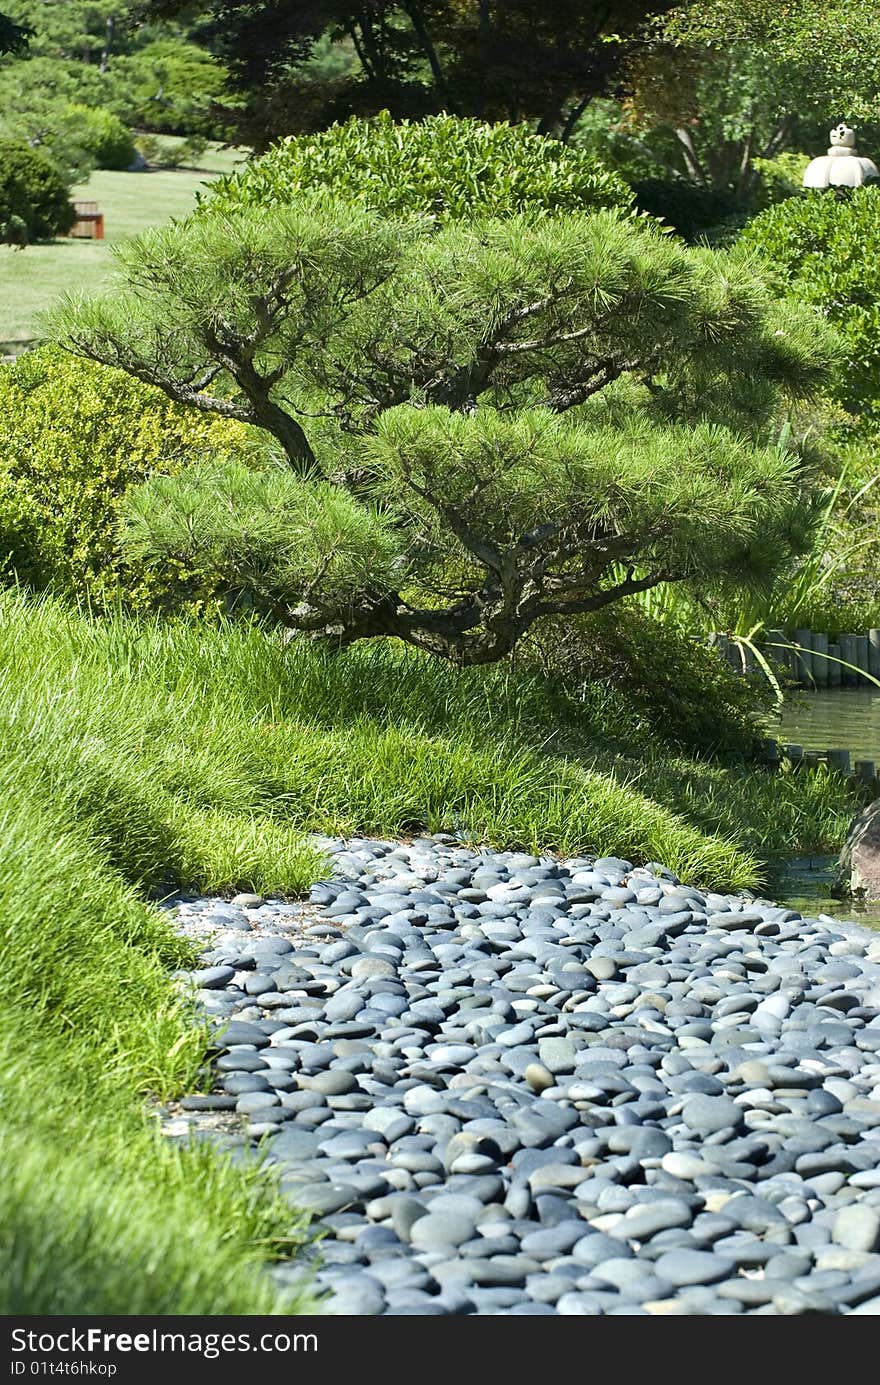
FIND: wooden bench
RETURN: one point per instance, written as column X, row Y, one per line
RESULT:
column 89, row 223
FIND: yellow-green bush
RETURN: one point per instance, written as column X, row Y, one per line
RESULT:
column 73, row 437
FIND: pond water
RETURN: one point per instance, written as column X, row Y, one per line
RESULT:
column 839, row 719
column 805, row 884
column 836, row 719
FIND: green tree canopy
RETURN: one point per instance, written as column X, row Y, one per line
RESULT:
column 479, row 425
column 100, row 54
column 520, row 60
column 727, row 82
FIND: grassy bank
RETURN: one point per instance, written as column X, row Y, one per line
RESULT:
column 197, row 754
column 200, row 753
column 100, row 1214
column 137, row 757
column 31, row 280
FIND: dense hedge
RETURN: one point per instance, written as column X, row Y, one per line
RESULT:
column 33, row 194
column 73, row 437
column 443, row 167
column 826, row 247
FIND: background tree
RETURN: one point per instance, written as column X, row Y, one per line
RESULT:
column 520, row 60
column 480, row 425
column 727, row 83
column 99, row 54
column 821, row 248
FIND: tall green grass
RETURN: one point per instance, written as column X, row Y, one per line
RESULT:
column 199, row 755
column 136, row 757
column 99, row 1213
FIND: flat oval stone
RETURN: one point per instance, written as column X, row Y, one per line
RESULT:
column 442, row 1230
column 684, row 1267
column 706, row 1115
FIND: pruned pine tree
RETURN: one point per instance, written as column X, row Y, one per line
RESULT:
column 479, row 426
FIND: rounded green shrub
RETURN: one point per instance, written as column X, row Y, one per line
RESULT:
column 444, row 168
column 33, row 190
column 73, row 437
column 102, row 134
column 825, row 246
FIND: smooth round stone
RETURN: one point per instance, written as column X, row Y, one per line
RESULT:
column 357, row 1296
column 231, row 923
column 552, row 1241
column 451, row 1055
column 240, row 1032
column 753, row 1073
column 343, row 1006
column 642, row 1142
column 595, row 1246
column 389, row 1122
column 538, row 1077
column 405, row 1212
column 602, row 968
column 518, row 1034
column 706, row 1115
column 323, row 1199
column 588, row 1305
column 558, row 1055
column 684, row 1267
column 237, row 1083
column 499, row 1271
column 857, row 1227
column 333, row 1082
column 686, row 1166
column 212, row 1101
column 249, row 1102
column 442, row 1230
column 371, row 968
column 211, row 978
column 643, row 1221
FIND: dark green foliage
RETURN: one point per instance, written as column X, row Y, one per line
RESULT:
column 101, row 54
column 825, row 247
column 443, row 167
column 686, row 207
column 33, row 190
column 14, row 37
column 170, row 86
column 523, row 60
column 78, row 138
column 657, row 684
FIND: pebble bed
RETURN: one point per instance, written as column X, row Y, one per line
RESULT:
column 520, row 1085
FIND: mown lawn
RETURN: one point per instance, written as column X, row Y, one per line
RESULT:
column 31, row 280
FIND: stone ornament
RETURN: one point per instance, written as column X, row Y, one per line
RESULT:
column 842, row 166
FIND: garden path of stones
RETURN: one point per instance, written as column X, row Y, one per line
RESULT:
column 521, row 1085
